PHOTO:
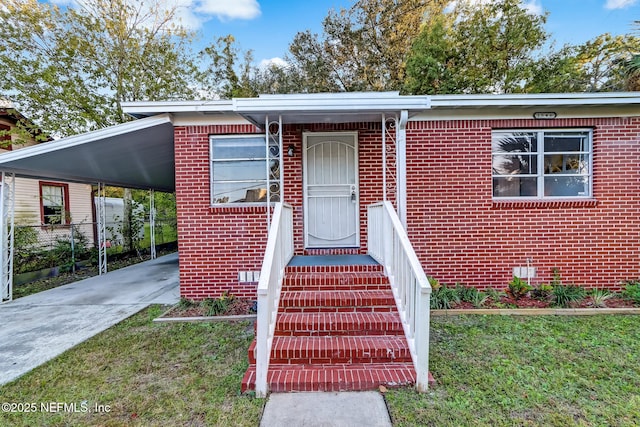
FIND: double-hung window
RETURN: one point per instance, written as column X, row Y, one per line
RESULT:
column 542, row 164
column 54, row 203
column 239, row 170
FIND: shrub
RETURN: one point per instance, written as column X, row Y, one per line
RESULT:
column 566, row 295
column 518, row 288
column 631, row 292
column 443, row 297
column 495, row 294
column 542, row 292
column 600, row 297
column 465, row 293
column 217, row 306
column 479, row 299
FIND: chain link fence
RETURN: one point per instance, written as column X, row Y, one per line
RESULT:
column 47, row 250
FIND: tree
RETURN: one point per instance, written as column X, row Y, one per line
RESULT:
column 361, row 48
column 70, row 69
column 605, row 60
column 227, row 60
column 476, row 48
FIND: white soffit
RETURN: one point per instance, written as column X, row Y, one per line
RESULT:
column 138, row 154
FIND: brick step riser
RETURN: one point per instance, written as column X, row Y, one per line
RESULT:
column 335, row 287
column 335, row 356
column 285, row 331
column 287, row 378
column 334, row 280
column 344, row 309
column 297, row 358
column 334, row 269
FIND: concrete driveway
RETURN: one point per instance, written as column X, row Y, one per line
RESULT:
column 39, row 327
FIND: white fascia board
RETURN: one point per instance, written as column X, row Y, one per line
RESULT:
column 524, row 100
column 83, row 138
column 320, row 103
column 159, row 107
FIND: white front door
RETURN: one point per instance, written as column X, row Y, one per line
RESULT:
column 331, row 190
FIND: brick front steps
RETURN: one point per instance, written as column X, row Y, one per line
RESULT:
column 337, row 329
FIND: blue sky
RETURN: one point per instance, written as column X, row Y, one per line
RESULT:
column 268, row 26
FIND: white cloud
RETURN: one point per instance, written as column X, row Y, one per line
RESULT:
column 619, row 4
column 229, row 9
column 192, row 14
column 273, row 62
column 533, row 6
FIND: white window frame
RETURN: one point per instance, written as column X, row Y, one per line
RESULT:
column 212, row 162
column 540, row 154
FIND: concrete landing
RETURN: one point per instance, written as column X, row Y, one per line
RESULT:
column 321, row 260
column 344, row 409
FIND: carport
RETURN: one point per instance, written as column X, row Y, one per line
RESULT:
column 137, row 154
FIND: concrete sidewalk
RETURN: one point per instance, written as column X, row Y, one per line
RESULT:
column 37, row 328
column 345, row 409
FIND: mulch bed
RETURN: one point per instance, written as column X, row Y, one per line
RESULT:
column 529, row 302
column 238, row 306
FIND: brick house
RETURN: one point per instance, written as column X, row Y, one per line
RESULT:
column 487, row 183
column 368, row 193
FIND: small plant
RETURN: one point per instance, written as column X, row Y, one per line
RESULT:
column 479, row 299
column 465, row 293
column 600, row 297
column 518, row 288
column 217, row 306
column 631, row 292
column 185, row 303
column 566, row 295
column 435, row 283
column 542, row 292
column 495, row 295
column 443, row 297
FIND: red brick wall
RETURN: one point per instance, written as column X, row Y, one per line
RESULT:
column 215, row 243
column 462, row 235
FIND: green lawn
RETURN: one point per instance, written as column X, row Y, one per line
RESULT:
column 165, row 233
column 185, row 374
column 490, row 371
column 528, row 371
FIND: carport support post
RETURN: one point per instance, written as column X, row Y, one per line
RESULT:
column 152, row 223
column 7, row 204
column 102, row 231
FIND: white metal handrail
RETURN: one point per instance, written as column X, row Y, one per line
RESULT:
column 389, row 244
column 277, row 255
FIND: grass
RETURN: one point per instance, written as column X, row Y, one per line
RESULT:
column 165, row 233
column 182, row 374
column 528, row 371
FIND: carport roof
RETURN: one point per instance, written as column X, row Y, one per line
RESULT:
column 138, row 154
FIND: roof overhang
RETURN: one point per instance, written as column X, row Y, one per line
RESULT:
column 343, row 107
column 137, row 154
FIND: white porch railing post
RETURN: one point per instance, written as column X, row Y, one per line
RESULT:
column 7, row 216
column 422, row 344
column 391, row 247
column 278, row 253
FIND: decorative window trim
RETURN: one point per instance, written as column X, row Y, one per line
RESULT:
column 264, row 158
column 540, row 155
column 66, row 206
